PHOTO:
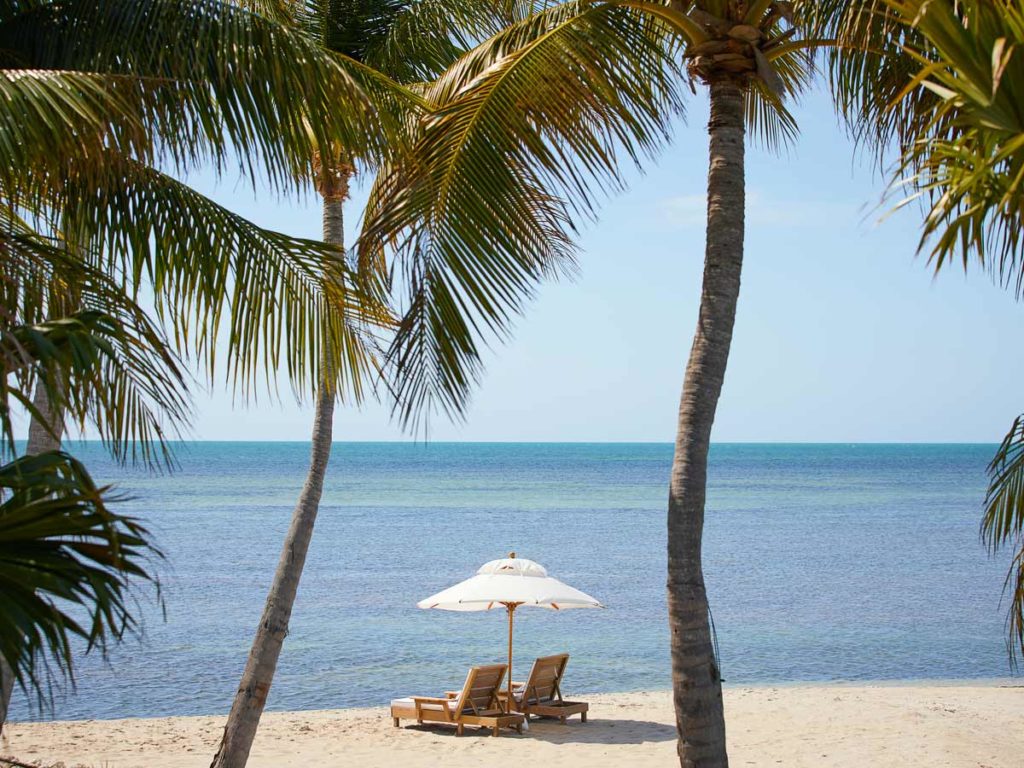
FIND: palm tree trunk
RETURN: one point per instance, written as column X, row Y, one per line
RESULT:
column 44, row 434
column 40, row 440
column 696, row 682
column 247, row 708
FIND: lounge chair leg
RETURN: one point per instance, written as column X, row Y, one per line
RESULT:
column 458, row 729
column 519, row 728
column 562, row 718
column 496, row 729
column 396, row 721
column 583, row 717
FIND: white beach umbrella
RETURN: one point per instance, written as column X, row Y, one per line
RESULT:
column 509, row 582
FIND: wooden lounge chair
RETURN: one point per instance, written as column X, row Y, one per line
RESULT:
column 541, row 694
column 476, row 704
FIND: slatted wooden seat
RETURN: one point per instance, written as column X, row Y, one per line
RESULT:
column 476, row 704
column 541, row 694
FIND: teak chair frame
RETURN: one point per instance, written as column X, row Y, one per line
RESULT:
column 541, row 694
column 478, row 703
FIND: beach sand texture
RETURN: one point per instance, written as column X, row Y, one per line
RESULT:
column 906, row 726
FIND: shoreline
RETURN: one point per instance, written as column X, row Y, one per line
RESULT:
column 924, row 682
column 965, row 724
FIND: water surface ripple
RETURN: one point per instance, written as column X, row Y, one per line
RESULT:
column 823, row 562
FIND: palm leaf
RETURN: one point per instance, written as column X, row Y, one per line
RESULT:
column 868, row 71
column 216, row 275
column 68, row 566
column 1003, row 524
column 100, row 370
column 968, row 159
column 234, row 84
column 104, row 364
column 49, row 116
column 422, row 38
column 524, row 138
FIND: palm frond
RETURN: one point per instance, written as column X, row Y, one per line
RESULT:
column 283, row 11
column 234, row 84
column 100, row 371
column 1003, row 524
column 424, row 37
column 967, row 161
column 785, row 68
column 68, row 568
column 49, row 116
column 103, row 363
column 215, row 274
column 868, row 72
column 524, row 138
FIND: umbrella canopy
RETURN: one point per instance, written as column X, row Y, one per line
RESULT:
column 510, row 580
column 509, row 583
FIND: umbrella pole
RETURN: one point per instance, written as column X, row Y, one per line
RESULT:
column 508, row 702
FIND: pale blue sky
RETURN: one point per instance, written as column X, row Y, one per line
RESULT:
column 842, row 334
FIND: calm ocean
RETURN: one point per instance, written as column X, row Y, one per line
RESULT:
column 824, row 562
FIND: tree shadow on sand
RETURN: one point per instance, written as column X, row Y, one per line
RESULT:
column 594, row 731
column 600, row 731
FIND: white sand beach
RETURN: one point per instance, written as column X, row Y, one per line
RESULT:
column 905, row 726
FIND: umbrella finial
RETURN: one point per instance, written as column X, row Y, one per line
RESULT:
column 511, row 555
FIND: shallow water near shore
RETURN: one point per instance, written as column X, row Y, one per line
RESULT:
column 823, row 562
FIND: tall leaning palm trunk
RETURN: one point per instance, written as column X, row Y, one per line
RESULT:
column 696, row 682
column 251, row 697
column 397, row 41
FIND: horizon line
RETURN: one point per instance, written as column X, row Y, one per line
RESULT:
column 420, row 441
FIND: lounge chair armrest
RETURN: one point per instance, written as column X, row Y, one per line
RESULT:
column 518, row 684
column 453, row 694
column 419, row 701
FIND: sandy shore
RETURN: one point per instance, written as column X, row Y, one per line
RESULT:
column 933, row 726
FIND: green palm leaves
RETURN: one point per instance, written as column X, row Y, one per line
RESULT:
column 1003, row 523
column 522, row 132
column 69, row 328
column 945, row 81
column 204, row 80
column 410, row 41
column 101, row 101
column 942, row 80
column 67, row 562
column 968, row 162
column 523, row 136
column 99, row 92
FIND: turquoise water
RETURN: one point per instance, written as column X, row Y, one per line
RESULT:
column 824, row 562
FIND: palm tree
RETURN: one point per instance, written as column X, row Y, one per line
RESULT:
column 96, row 95
column 405, row 40
column 332, row 180
column 60, row 542
column 951, row 96
column 528, row 125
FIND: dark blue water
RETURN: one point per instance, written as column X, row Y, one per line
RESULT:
column 824, row 562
